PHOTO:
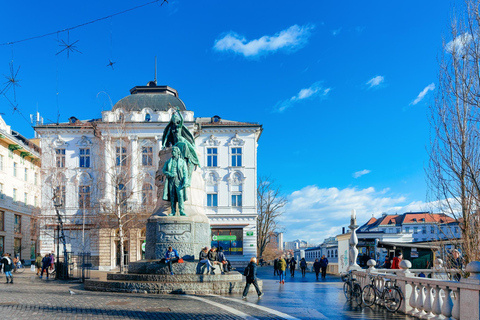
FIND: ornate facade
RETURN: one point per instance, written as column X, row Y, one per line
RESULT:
column 103, row 168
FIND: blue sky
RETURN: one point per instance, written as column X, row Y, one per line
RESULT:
column 342, row 89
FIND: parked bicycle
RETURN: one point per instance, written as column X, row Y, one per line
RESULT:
column 352, row 289
column 390, row 296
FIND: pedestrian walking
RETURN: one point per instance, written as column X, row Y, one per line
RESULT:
column 323, row 265
column 282, row 266
column 387, row 264
column 303, row 266
column 396, row 261
column 275, row 267
column 46, row 261
column 316, row 267
column 293, row 263
column 250, row 274
column 7, row 267
column 171, row 257
column 38, row 263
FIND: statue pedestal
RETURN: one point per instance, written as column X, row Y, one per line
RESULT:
column 187, row 234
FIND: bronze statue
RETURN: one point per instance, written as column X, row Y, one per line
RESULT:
column 176, row 172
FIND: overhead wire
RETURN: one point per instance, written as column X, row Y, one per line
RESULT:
column 83, row 24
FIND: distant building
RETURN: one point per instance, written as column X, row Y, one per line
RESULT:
column 19, row 193
column 276, row 241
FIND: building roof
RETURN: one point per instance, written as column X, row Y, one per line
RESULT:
column 216, row 121
column 157, row 98
column 426, row 217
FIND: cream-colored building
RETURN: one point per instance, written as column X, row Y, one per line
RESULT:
column 84, row 162
column 19, row 193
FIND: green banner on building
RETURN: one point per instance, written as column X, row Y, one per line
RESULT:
column 224, row 238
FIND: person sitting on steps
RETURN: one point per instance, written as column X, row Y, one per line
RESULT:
column 171, row 256
column 203, row 257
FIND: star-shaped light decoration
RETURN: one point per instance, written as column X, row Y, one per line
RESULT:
column 110, row 63
column 12, row 81
column 69, row 47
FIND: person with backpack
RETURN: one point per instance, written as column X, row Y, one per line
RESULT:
column 282, row 266
column 250, row 274
column 303, row 266
column 323, row 265
column 293, row 263
column 7, row 267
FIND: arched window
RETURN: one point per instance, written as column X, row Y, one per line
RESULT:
column 148, row 117
column 147, row 194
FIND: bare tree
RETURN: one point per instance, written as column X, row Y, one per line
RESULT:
column 270, row 202
column 454, row 166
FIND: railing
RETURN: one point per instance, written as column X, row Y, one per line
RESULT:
column 431, row 298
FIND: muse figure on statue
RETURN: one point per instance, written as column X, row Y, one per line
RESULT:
column 176, row 134
column 176, row 172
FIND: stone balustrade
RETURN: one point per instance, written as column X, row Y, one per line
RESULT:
column 431, row 298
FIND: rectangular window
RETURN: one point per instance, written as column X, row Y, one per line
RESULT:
column 85, row 158
column 35, row 201
column 147, row 194
column 236, row 200
column 1, row 191
column 36, row 178
column 407, row 229
column 432, row 229
column 60, row 196
column 424, row 230
column 1, row 162
column 147, row 156
column 456, row 229
column 25, row 198
column 212, row 200
column 121, row 156
column 60, row 158
column 14, row 169
column 26, row 174
column 415, row 230
column 84, row 196
column 17, row 227
column 211, row 157
column 398, row 230
column 2, row 220
column 14, row 194
column 236, row 157
column 17, row 247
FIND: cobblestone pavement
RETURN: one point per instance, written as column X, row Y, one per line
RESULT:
column 298, row 298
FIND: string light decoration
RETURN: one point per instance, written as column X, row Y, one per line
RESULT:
column 12, row 81
column 68, row 47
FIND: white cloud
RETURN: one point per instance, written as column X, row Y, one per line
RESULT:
column 375, row 81
column 422, row 94
column 336, row 31
column 358, row 174
column 315, row 213
column 291, row 39
column 458, row 44
column 315, row 90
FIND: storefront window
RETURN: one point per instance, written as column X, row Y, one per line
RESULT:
column 231, row 240
column 17, row 247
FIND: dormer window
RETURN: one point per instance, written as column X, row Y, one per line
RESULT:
column 148, row 117
column 216, row 119
column 414, row 219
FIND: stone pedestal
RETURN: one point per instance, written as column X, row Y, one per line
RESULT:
column 187, row 235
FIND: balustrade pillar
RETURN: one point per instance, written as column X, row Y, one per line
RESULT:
column 428, row 303
column 437, row 303
column 413, row 299
column 447, row 305
column 421, row 301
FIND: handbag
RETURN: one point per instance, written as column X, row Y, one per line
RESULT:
column 180, row 260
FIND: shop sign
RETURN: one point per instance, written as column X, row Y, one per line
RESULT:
column 250, row 233
column 366, row 243
column 251, row 245
column 224, row 238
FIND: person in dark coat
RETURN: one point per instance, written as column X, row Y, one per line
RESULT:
column 323, row 265
column 250, row 274
column 275, row 267
column 7, row 267
column 293, row 263
column 316, row 267
column 303, row 266
column 46, row 261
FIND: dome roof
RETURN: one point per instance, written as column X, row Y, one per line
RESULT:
column 157, row 98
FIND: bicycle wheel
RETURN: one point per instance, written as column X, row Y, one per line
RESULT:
column 21, row 268
column 393, row 299
column 347, row 290
column 357, row 294
column 369, row 295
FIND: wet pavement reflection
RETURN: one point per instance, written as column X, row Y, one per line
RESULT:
column 307, row 298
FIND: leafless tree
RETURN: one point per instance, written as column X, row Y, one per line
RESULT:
column 270, row 202
column 454, row 165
